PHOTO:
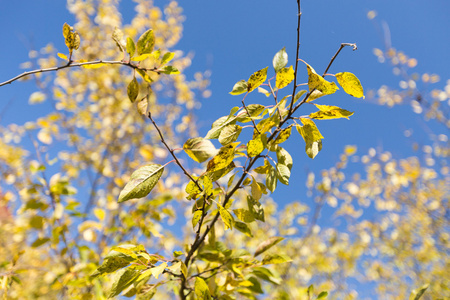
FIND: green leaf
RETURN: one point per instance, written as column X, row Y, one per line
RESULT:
column 284, row 77
column 111, row 264
column 244, row 215
column 142, row 181
column 227, row 218
column 167, row 57
column 219, row 125
column 351, row 84
column 196, row 218
column 256, row 79
column 418, row 293
column 315, row 81
column 133, row 90
column 298, row 95
column 229, row 134
column 256, row 208
column 184, row 269
column 327, row 112
column 283, row 174
column 266, row 274
column 156, row 271
column 201, row 289
column 146, row 42
column 118, row 38
column 280, row 60
column 322, row 295
column 271, row 178
column 125, row 278
column 255, row 146
column 199, row 149
column 256, row 190
column 239, row 87
column 39, row 242
column 275, row 259
column 141, row 57
column 170, row 70
column 254, row 110
column 267, row 244
column 242, row 227
column 312, row 136
column 283, row 135
column 216, row 175
column 131, row 47
column 144, row 76
column 310, row 291
column 223, row 158
column 284, row 157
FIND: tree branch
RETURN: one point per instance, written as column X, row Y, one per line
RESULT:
column 71, row 64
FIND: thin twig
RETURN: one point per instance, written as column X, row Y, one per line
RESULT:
column 72, row 64
column 297, row 55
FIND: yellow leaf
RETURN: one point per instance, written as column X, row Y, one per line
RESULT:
column 312, row 136
column 284, row 77
column 256, row 79
column 327, row 112
column 255, row 146
column 223, row 158
column 351, row 84
column 62, row 56
column 315, row 81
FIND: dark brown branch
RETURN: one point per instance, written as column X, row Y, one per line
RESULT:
column 297, row 55
column 72, row 64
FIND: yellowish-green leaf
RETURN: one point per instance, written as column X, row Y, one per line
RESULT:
column 146, row 42
column 125, row 278
column 170, row 70
column 117, row 36
column 199, row 149
column 330, row 112
column 275, row 259
column 227, row 218
column 256, row 190
column 351, row 84
column 196, row 218
column 131, row 47
column 223, row 158
column 242, row 227
column 92, row 66
column 229, row 134
column 144, row 75
column 111, row 264
column 322, row 295
column 283, row 135
column 201, row 289
column 418, row 293
column 239, row 88
column 264, row 91
column 283, row 173
column 267, row 244
column 255, row 146
column 284, row 77
column 142, row 181
column 312, row 136
column 66, row 30
column 271, row 178
column 142, row 105
column 256, row 79
column 133, row 90
column 314, row 95
column 315, row 81
column 62, row 56
column 280, row 60
column 244, row 215
column 184, row 269
column 141, row 57
column 156, row 271
column 167, row 58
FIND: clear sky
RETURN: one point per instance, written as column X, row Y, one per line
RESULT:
column 235, row 38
